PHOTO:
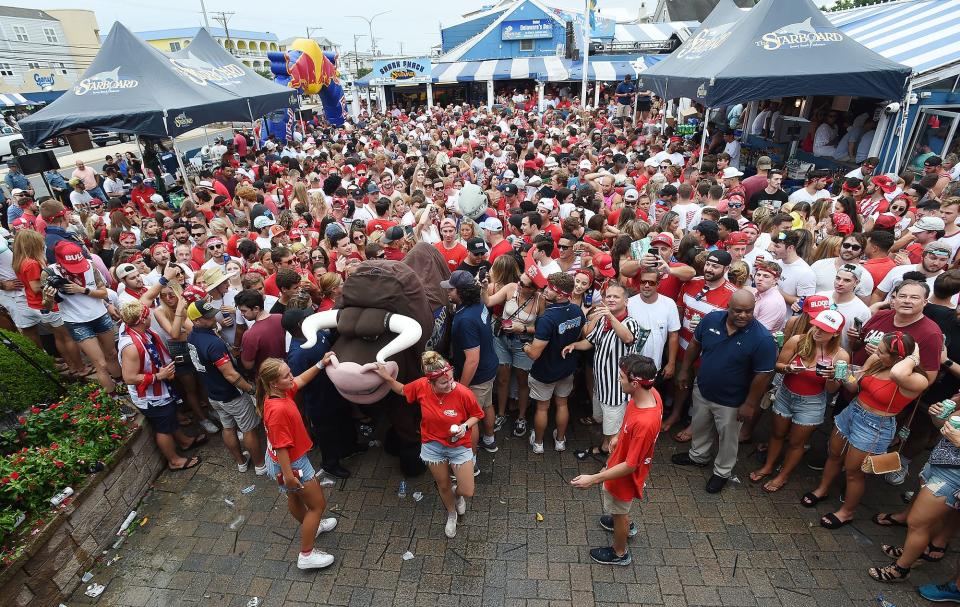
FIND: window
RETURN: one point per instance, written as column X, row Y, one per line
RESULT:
column 526, row 45
column 61, row 68
column 174, row 46
column 51, row 35
column 21, row 33
column 33, row 65
column 6, row 69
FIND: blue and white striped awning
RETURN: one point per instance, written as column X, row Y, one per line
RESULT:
column 653, row 32
column 922, row 34
column 605, row 70
column 550, row 69
column 12, row 99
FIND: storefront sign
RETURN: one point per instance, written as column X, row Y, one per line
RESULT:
column 528, row 29
column 799, row 35
column 415, row 70
column 44, row 82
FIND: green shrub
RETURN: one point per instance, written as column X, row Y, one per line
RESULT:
column 21, row 384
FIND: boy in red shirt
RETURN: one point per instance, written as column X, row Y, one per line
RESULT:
column 631, row 452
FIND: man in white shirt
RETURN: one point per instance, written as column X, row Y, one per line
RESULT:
column 850, row 251
column 866, row 168
column 659, row 321
column 825, row 139
column 732, row 147
column 797, row 279
column 686, row 208
column 843, row 297
column 936, row 258
column 813, row 190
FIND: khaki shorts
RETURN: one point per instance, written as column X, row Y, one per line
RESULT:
column 624, row 110
column 612, row 505
column 484, row 393
column 544, row 392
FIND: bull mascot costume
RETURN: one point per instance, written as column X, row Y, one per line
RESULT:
column 391, row 312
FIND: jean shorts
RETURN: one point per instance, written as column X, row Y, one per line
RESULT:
column 303, row 465
column 81, row 331
column 509, row 349
column 942, row 482
column 801, row 410
column 866, row 431
column 435, row 452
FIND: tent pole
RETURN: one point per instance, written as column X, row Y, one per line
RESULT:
column 903, row 127
column 253, row 123
column 586, row 54
column 663, row 108
column 187, row 186
column 703, row 138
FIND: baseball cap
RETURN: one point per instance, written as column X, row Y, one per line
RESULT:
column 204, row 185
column 69, row 255
column 721, row 257
column 393, row 234
column 854, row 269
column 373, row 188
column 509, row 189
column 459, row 278
column 194, row 293
column 333, row 229
column 585, row 164
column 631, row 195
column 737, row 238
column 276, row 230
column 814, row 304
column 731, row 172
column 707, row 226
column 603, row 263
column 884, row 183
column 477, row 246
column 263, row 221
column 885, row 221
column 201, row 309
column 16, row 192
column 933, row 161
column 662, row 238
column 491, row 224
column 125, row 269
column 939, row 248
column 764, row 163
column 924, row 224
column 830, row 321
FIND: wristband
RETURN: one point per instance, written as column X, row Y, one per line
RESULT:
column 86, row 291
column 146, row 383
column 320, row 365
column 163, row 281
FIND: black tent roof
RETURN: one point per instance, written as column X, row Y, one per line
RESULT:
column 779, row 48
column 132, row 87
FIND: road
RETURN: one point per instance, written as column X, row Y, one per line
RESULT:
column 95, row 156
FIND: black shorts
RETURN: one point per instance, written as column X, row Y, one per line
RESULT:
column 163, row 418
column 644, row 104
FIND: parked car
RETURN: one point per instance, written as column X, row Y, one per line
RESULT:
column 102, row 138
column 11, row 142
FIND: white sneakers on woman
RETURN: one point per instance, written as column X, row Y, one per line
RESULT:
column 327, row 524
column 317, row 559
column 450, row 529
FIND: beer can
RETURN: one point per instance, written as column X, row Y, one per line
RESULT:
column 874, row 340
column 948, row 406
column 695, row 319
column 955, row 421
column 840, row 370
column 778, row 336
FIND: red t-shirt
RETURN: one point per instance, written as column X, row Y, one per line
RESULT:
column 30, row 270
column 453, row 256
column 379, row 224
column 198, row 255
column 694, row 301
column 878, row 268
column 499, row 249
column 393, row 254
column 438, row 413
column 669, row 285
column 265, row 339
column 924, row 331
column 270, row 284
column 284, row 427
column 638, row 435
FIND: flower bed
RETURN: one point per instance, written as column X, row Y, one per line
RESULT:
column 50, row 448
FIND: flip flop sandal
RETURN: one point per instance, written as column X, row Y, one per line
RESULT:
column 684, row 436
column 809, row 500
column 831, row 522
column 754, row 478
column 593, row 452
column 769, row 487
column 198, row 441
column 890, row 574
column 193, row 462
column 588, row 421
column 885, row 519
column 896, row 552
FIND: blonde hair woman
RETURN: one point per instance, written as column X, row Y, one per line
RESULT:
column 287, row 447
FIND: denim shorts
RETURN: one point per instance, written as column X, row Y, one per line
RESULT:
column 866, row 431
column 509, row 349
column 801, row 410
column 81, row 331
column 303, row 465
column 942, row 482
column 435, row 452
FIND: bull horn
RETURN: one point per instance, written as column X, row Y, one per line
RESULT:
column 408, row 334
column 314, row 323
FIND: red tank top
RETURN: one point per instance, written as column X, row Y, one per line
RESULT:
column 883, row 395
column 806, row 382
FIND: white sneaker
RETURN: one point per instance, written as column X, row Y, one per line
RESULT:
column 326, row 525
column 559, row 445
column 898, row 477
column 537, row 447
column 208, row 426
column 240, row 436
column 317, row 559
column 246, row 464
column 450, row 529
column 461, row 505
column 260, row 470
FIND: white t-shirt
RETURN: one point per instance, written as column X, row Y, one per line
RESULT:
column 797, row 279
column 688, row 213
column 851, row 310
column 757, row 253
column 79, row 307
column 802, row 195
column 826, row 270
column 551, row 267
column 229, row 334
column 657, row 320
column 215, row 262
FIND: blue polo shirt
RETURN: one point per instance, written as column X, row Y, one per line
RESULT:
column 624, row 89
column 208, row 352
column 300, row 359
column 729, row 362
column 471, row 329
column 560, row 325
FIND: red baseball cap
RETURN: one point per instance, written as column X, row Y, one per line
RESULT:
column 536, row 275
column 737, row 238
column 603, row 262
column 194, row 293
column 884, row 183
column 70, row 256
column 885, row 221
column 662, row 238
column 814, row 304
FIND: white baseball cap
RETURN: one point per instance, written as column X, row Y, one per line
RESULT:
column 830, row 321
column 585, row 164
column 731, row 172
column 631, row 194
column 492, row 224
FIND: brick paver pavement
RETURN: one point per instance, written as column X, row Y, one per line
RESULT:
column 741, row 547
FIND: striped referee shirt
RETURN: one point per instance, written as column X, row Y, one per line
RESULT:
column 608, row 348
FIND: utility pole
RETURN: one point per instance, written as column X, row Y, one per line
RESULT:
column 310, row 28
column 369, row 20
column 356, row 57
column 206, row 20
column 224, row 18
column 401, row 47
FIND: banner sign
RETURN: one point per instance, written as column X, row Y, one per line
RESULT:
column 413, row 70
column 528, row 29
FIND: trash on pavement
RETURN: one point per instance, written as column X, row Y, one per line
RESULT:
column 417, row 496
column 539, row 518
column 95, row 590
column 407, row 555
column 248, row 490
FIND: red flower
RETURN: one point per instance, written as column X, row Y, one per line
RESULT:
column 95, row 393
column 58, row 463
column 34, row 409
column 53, row 406
column 54, row 446
column 97, row 406
column 65, row 416
column 106, row 418
column 115, row 436
column 22, row 420
column 14, row 475
column 4, row 480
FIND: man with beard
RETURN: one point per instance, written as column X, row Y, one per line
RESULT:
column 659, row 322
column 936, row 257
column 737, row 357
column 850, row 251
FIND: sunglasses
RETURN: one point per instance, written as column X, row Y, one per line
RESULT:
column 214, row 247
column 648, row 283
column 288, row 262
column 735, row 205
column 359, row 237
column 852, row 246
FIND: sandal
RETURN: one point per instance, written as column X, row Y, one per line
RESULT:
column 198, row 441
column 892, row 573
column 588, row 421
column 683, row 436
column 756, row 477
column 770, row 487
column 811, row 499
column 594, row 452
column 831, row 522
column 896, row 552
column 193, row 462
column 885, row 519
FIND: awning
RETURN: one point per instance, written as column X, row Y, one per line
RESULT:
column 12, row 99
column 653, row 32
column 606, row 70
column 922, row 34
column 550, row 69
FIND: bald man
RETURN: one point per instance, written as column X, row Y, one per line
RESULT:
column 737, row 356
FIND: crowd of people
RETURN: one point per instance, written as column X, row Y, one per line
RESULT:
column 596, row 264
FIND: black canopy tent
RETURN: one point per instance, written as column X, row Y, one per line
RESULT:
column 780, row 48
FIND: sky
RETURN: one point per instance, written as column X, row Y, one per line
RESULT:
column 415, row 25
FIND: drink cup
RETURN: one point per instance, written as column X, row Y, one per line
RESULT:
column 948, row 407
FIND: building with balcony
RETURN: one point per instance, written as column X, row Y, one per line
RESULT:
column 251, row 48
column 324, row 43
column 42, row 52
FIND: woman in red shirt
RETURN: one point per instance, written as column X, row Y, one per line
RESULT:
column 449, row 413
column 287, row 445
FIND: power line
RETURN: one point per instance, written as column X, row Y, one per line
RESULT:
column 223, row 18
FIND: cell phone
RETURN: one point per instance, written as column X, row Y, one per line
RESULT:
column 857, row 324
column 482, row 273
